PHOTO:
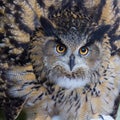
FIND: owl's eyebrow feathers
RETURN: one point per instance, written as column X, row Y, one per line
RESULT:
column 95, row 35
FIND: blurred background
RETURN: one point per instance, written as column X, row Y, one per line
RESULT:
column 22, row 116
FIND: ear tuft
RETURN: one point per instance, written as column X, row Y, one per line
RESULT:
column 47, row 26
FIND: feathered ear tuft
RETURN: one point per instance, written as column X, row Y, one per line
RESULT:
column 99, row 33
column 47, row 26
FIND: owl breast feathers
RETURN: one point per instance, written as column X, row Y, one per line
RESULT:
column 68, row 68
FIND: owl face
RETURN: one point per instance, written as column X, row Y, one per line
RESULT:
column 70, row 61
column 68, row 48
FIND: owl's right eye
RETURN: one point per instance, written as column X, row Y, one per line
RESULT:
column 83, row 50
column 61, row 48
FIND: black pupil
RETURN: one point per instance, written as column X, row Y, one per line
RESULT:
column 83, row 49
column 61, row 48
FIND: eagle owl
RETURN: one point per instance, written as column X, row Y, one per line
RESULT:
column 72, row 70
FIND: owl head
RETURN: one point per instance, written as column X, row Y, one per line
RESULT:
column 67, row 49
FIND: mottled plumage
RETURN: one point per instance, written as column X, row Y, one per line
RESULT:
column 60, row 59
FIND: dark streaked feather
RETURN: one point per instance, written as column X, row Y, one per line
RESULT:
column 47, row 26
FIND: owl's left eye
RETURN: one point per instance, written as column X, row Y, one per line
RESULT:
column 83, row 50
column 60, row 48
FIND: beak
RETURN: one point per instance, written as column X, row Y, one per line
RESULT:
column 72, row 61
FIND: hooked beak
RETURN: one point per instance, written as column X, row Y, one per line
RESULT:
column 72, row 61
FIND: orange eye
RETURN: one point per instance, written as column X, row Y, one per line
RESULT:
column 60, row 48
column 83, row 50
